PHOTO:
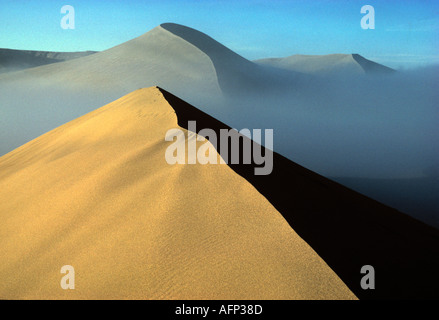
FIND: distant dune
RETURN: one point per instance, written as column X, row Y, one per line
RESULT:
column 338, row 64
column 97, row 194
column 15, row 60
column 354, row 126
column 234, row 73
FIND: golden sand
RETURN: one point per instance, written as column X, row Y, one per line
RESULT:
column 97, row 194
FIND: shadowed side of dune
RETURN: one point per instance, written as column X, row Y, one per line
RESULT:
column 347, row 229
column 234, row 72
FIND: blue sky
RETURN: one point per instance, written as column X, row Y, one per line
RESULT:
column 406, row 32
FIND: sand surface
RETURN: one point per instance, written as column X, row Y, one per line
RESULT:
column 97, row 194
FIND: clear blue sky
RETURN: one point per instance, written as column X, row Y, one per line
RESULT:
column 406, row 31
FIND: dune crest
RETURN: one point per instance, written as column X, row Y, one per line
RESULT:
column 97, row 194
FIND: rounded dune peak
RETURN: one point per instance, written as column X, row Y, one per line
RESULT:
column 107, row 202
column 202, row 41
column 172, row 25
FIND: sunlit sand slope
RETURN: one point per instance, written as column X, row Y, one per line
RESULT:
column 97, row 194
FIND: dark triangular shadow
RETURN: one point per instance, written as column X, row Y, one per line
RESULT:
column 348, row 230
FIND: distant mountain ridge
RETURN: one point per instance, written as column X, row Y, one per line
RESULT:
column 14, row 60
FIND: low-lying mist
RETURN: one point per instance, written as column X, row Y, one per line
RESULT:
column 374, row 126
column 379, row 129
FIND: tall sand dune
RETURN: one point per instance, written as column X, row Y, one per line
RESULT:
column 97, row 194
column 176, row 57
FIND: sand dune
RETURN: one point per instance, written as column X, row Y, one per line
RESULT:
column 97, row 194
column 15, row 60
column 158, row 56
column 172, row 56
column 235, row 74
column 331, row 64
